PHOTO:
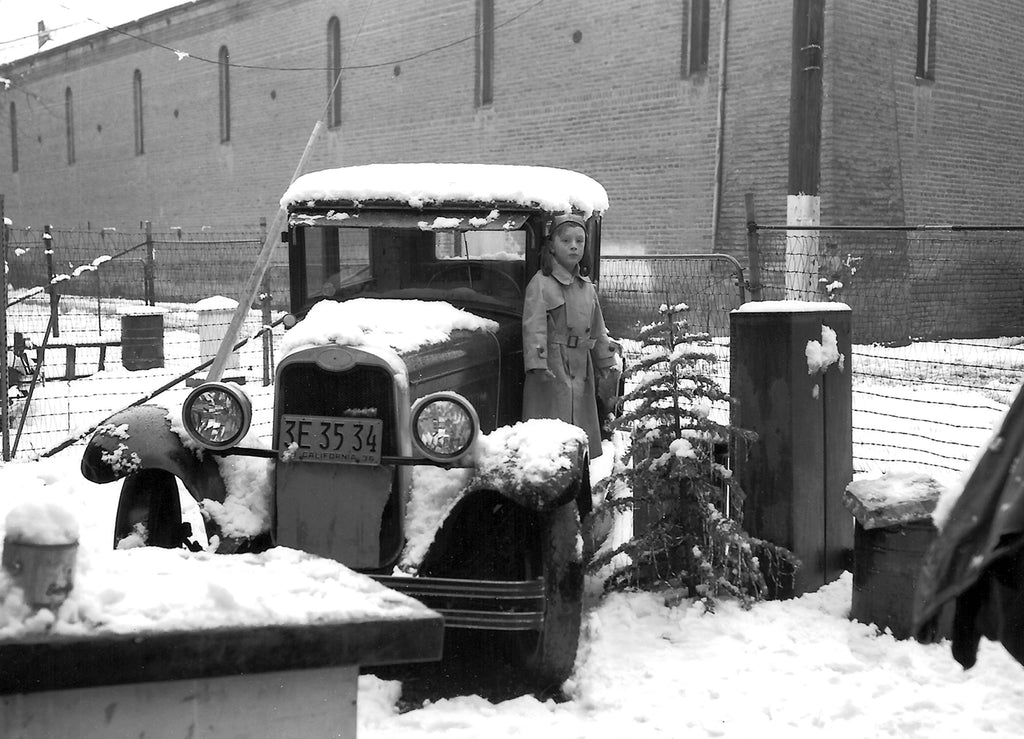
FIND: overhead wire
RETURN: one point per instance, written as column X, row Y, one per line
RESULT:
column 391, row 62
column 183, row 55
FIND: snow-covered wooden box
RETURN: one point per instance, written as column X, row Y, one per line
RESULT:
column 170, row 643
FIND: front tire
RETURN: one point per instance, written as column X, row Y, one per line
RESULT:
column 548, row 656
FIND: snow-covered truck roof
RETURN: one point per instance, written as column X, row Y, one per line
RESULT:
column 424, row 184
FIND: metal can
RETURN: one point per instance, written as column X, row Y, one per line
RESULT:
column 46, row 572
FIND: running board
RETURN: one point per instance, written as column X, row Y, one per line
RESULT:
column 493, row 605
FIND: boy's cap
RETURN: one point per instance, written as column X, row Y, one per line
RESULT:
column 567, row 218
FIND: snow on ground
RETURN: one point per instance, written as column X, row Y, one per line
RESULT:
column 649, row 666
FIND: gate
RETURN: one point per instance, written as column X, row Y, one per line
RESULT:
column 634, row 288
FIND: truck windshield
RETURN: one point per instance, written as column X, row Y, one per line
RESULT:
column 343, row 262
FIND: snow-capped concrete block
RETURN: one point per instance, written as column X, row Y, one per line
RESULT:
column 893, row 498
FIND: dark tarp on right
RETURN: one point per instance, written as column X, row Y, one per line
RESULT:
column 977, row 560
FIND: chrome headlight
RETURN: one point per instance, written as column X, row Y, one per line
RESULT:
column 217, row 415
column 444, row 426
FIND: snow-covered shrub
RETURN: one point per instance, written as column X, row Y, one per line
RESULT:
column 680, row 479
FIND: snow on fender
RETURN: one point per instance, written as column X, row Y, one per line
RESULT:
column 141, row 438
column 539, row 463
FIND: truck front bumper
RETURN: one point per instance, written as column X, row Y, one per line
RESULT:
column 477, row 604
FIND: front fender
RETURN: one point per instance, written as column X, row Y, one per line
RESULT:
column 140, row 438
column 542, row 492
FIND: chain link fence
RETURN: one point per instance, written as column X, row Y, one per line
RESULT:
column 938, row 315
column 143, row 309
column 937, row 322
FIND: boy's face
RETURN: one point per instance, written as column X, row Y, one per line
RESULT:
column 567, row 244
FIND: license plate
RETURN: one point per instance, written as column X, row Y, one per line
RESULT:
column 331, row 439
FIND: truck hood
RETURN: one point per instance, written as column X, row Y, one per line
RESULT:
column 403, row 326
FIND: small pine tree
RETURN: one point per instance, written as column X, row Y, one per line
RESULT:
column 677, row 476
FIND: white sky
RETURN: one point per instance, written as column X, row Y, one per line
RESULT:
column 66, row 20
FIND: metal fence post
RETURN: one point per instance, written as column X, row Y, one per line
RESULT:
column 149, row 267
column 265, row 302
column 753, row 249
column 5, row 410
column 51, row 286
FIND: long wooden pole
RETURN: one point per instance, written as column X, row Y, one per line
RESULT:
column 245, row 301
column 5, row 414
column 258, row 270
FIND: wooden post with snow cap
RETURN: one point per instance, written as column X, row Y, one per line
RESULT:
column 791, row 384
column 51, row 285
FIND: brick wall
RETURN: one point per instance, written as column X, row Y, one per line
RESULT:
column 902, row 151
column 612, row 103
column 609, row 100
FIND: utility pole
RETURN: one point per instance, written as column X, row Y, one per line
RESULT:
column 803, row 207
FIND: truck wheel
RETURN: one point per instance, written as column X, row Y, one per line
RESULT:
column 548, row 656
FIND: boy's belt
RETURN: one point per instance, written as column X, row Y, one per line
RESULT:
column 572, row 341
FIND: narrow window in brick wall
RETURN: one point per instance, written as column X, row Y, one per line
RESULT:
column 225, row 95
column 484, row 52
column 696, row 26
column 926, row 39
column 14, row 138
column 334, row 71
column 140, row 142
column 69, row 123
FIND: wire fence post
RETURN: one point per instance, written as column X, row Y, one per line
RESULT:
column 5, row 401
column 266, row 300
column 99, row 304
column 51, row 286
column 149, row 267
column 753, row 249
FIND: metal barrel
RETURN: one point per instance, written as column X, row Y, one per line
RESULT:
column 142, row 341
column 886, row 562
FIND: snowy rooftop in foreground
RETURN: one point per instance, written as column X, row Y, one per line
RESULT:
column 417, row 185
column 150, row 589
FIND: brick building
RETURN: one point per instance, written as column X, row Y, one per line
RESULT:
column 894, row 113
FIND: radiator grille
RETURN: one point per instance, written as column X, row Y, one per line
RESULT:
column 307, row 389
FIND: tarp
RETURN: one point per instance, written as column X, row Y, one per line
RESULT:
column 977, row 561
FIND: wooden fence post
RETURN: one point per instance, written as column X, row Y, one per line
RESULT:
column 149, row 267
column 265, row 302
column 753, row 249
column 51, row 286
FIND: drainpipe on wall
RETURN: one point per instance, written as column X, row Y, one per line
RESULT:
column 716, row 205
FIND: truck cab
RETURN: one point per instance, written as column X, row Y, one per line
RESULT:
column 398, row 445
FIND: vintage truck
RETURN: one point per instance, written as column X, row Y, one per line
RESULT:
column 403, row 362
